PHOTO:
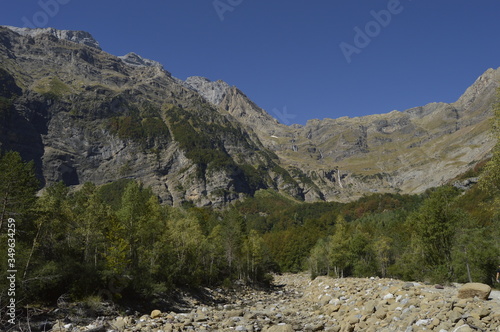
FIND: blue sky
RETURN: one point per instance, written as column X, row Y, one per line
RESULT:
column 287, row 56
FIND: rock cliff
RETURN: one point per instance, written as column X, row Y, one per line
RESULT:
column 393, row 152
column 85, row 115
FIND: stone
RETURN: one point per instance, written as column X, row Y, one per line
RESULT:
column 463, row 328
column 119, row 323
column 353, row 319
column 408, row 286
column 471, row 290
column 155, row 313
column 280, row 328
column 295, row 308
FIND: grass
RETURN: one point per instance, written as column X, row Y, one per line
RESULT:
column 52, row 87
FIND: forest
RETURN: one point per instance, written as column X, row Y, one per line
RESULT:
column 117, row 241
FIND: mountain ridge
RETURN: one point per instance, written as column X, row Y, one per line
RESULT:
column 205, row 141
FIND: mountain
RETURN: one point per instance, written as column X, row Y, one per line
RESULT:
column 344, row 158
column 85, row 115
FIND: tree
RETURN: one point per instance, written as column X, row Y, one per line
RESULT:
column 319, row 263
column 382, row 248
column 18, row 186
column 133, row 207
column 151, row 230
column 51, row 245
column 232, row 235
column 490, row 179
column 363, row 261
column 91, row 215
column 435, row 226
column 253, row 250
column 213, row 258
column 339, row 251
column 185, row 239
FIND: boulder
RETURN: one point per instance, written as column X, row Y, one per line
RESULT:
column 280, row 328
column 155, row 313
column 119, row 323
column 472, row 290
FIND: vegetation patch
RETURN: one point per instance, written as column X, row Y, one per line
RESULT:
column 144, row 126
column 52, row 88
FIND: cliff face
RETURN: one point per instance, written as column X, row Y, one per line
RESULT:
column 406, row 152
column 84, row 115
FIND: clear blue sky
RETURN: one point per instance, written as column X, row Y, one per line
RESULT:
column 286, row 55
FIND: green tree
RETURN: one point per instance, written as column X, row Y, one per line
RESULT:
column 152, row 226
column 339, row 251
column 382, row 248
column 435, row 226
column 213, row 259
column 18, row 186
column 132, row 209
column 253, row 250
column 48, row 263
column 91, row 216
column 490, row 179
column 185, row 239
column 232, row 235
column 363, row 259
column 318, row 261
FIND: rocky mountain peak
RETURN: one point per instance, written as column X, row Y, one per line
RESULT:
column 213, row 92
column 134, row 59
column 487, row 83
column 79, row 37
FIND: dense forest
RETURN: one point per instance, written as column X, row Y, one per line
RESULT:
column 117, row 241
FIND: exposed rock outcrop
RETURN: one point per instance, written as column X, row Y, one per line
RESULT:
column 79, row 37
column 84, row 115
column 213, row 92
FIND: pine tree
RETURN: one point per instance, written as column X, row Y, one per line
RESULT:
column 435, row 227
column 18, row 186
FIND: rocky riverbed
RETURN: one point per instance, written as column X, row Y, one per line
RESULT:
column 324, row 304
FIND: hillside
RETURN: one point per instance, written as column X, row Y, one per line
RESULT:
column 84, row 115
column 391, row 152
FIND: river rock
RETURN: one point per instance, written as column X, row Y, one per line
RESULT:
column 280, row 328
column 472, row 290
column 298, row 304
column 155, row 313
